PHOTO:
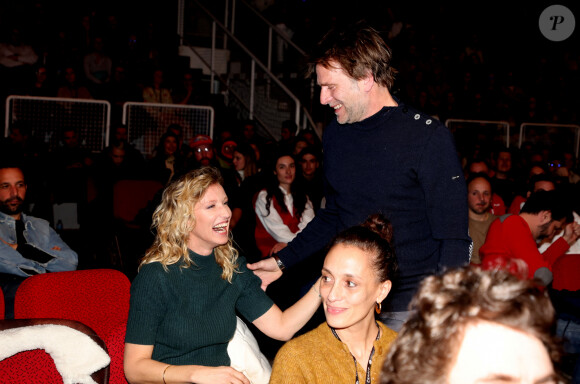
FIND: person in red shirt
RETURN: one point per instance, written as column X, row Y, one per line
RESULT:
column 542, row 181
column 515, row 236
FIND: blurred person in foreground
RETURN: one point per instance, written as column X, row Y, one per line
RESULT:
column 473, row 326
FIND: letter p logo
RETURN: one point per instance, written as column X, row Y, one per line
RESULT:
column 557, row 23
column 556, row 20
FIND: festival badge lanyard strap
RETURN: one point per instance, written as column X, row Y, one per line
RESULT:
column 370, row 363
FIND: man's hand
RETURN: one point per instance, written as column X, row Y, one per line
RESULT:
column 571, row 233
column 277, row 248
column 267, row 270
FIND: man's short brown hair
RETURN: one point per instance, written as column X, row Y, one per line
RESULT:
column 358, row 49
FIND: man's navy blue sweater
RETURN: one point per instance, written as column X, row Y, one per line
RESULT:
column 403, row 164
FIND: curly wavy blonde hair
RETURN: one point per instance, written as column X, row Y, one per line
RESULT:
column 174, row 219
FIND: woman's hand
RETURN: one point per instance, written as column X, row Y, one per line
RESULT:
column 218, row 375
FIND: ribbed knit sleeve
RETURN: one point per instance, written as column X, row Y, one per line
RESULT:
column 147, row 306
column 253, row 301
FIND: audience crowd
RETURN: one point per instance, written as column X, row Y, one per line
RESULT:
column 275, row 187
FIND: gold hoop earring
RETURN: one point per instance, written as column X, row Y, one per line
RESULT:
column 378, row 308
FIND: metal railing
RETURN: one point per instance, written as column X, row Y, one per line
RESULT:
column 46, row 117
column 272, row 29
column 253, row 87
column 486, row 125
column 562, row 135
column 146, row 122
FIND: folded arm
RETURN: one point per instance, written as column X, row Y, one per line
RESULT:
column 140, row 368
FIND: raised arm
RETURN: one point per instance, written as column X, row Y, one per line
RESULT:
column 283, row 325
column 311, row 239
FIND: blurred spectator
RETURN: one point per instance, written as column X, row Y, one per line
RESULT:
column 31, row 153
column 541, row 181
column 83, row 34
column 120, row 90
column 287, row 134
column 114, row 35
column 250, row 181
column 61, row 52
column 184, row 149
column 167, row 162
column 515, row 237
column 98, row 68
column 188, row 91
column 70, row 168
column 299, row 144
column 28, row 245
column 472, row 326
column 71, row 87
column 503, row 182
column 561, row 167
column 133, row 58
column 16, row 61
column 120, row 138
column 21, row 144
column 478, row 165
column 157, row 92
column 282, row 209
column 203, row 152
column 309, row 175
column 250, row 135
column 42, row 85
column 480, row 218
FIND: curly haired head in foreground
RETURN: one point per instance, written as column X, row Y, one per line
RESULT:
column 445, row 306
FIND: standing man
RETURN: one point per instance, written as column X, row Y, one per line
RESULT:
column 28, row 245
column 480, row 218
column 381, row 156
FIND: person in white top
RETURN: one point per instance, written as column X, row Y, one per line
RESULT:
column 282, row 209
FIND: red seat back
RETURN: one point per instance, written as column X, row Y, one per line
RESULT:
column 98, row 298
column 116, row 346
column 130, row 196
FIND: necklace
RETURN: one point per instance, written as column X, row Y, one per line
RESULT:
column 370, row 363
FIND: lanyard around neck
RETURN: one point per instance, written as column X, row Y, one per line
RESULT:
column 370, row 363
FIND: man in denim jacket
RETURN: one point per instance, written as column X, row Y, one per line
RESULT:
column 28, row 245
